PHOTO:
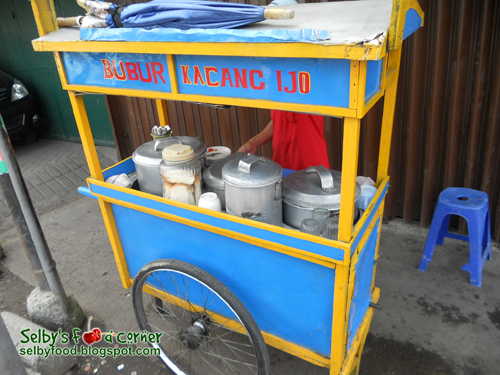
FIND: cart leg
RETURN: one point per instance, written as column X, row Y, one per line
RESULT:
column 357, row 360
column 391, row 88
column 45, row 16
column 161, row 105
column 339, row 325
column 116, row 245
column 82, row 122
column 380, row 214
column 349, row 173
column 95, row 171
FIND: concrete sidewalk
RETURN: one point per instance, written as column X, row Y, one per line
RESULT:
column 431, row 323
column 52, row 171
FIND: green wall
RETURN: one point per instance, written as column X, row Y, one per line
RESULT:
column 37, row 70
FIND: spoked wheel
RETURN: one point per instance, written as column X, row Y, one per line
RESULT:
column 205, row 328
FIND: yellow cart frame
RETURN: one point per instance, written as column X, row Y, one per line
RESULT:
column 342, row 359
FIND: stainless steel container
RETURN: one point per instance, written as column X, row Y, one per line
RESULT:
column 253, row 189
column 147, row 159
column 212, row 177
column 308, row 189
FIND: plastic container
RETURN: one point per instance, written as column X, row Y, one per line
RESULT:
column 181, row 174
column 367, row 194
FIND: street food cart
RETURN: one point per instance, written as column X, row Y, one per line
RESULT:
column 303, row 294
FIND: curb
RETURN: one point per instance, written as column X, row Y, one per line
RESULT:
column 51, row 365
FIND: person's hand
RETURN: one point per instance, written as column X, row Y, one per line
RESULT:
column 249, row 147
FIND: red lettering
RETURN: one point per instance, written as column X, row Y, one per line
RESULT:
column 278, row 76
column 150, row 77
column 226, row 77
column 185, row 77
column 108, row 73
column 252, row 80
column 198, row 76
column 304, row 82
column 132, row 71
column 121, row 77
column 208, row 70
column 241, row 79
column 157, row 69
column 294, row 83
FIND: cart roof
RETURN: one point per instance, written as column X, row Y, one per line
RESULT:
column 335, row 23
column 363, row 24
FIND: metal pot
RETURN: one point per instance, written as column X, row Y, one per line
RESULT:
column 253, row 189
column 147, row 159
column 212, row 177
column 308, row 189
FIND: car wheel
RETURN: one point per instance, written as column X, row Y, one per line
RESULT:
column 26, row 139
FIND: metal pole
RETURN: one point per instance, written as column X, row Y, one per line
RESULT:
column 22, row 229
column 10, row 360
column 48, row 264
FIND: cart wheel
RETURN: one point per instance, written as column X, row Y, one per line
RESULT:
column 205, row 328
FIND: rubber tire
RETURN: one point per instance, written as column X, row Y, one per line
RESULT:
column 196, row 273
column 26, row 139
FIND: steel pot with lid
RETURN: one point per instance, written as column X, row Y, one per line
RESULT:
column 253, row 189
column 147, row 159
column 212, row 177
column 310, row 188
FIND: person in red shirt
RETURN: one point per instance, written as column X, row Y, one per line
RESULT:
column 298, row 140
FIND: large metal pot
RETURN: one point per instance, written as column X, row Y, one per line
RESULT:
column 305, row 190
column 212, row 177
column 253, row 189
column 147, row 159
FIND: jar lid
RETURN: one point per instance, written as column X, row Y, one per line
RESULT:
column 177, row 152
column 251, row 171
column 198, row 146
column 314, row 187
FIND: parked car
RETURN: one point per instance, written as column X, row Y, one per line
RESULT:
column 19, row 110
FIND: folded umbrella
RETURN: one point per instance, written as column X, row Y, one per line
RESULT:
column 186, row 14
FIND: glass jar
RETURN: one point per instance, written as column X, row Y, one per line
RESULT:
column 181, row 174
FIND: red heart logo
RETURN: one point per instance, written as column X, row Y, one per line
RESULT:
column 89, row 337
column 98, row 334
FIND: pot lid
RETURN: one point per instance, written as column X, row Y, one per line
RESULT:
column 213, row 174
column 149, row 153
column 314, row 187
column 251, row 171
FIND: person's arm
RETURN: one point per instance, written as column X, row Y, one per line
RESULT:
column 263, row 137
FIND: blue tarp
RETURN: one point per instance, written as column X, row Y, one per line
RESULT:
column 205, row 35
column 187, row 14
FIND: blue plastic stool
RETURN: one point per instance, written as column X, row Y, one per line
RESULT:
column 474, row 207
